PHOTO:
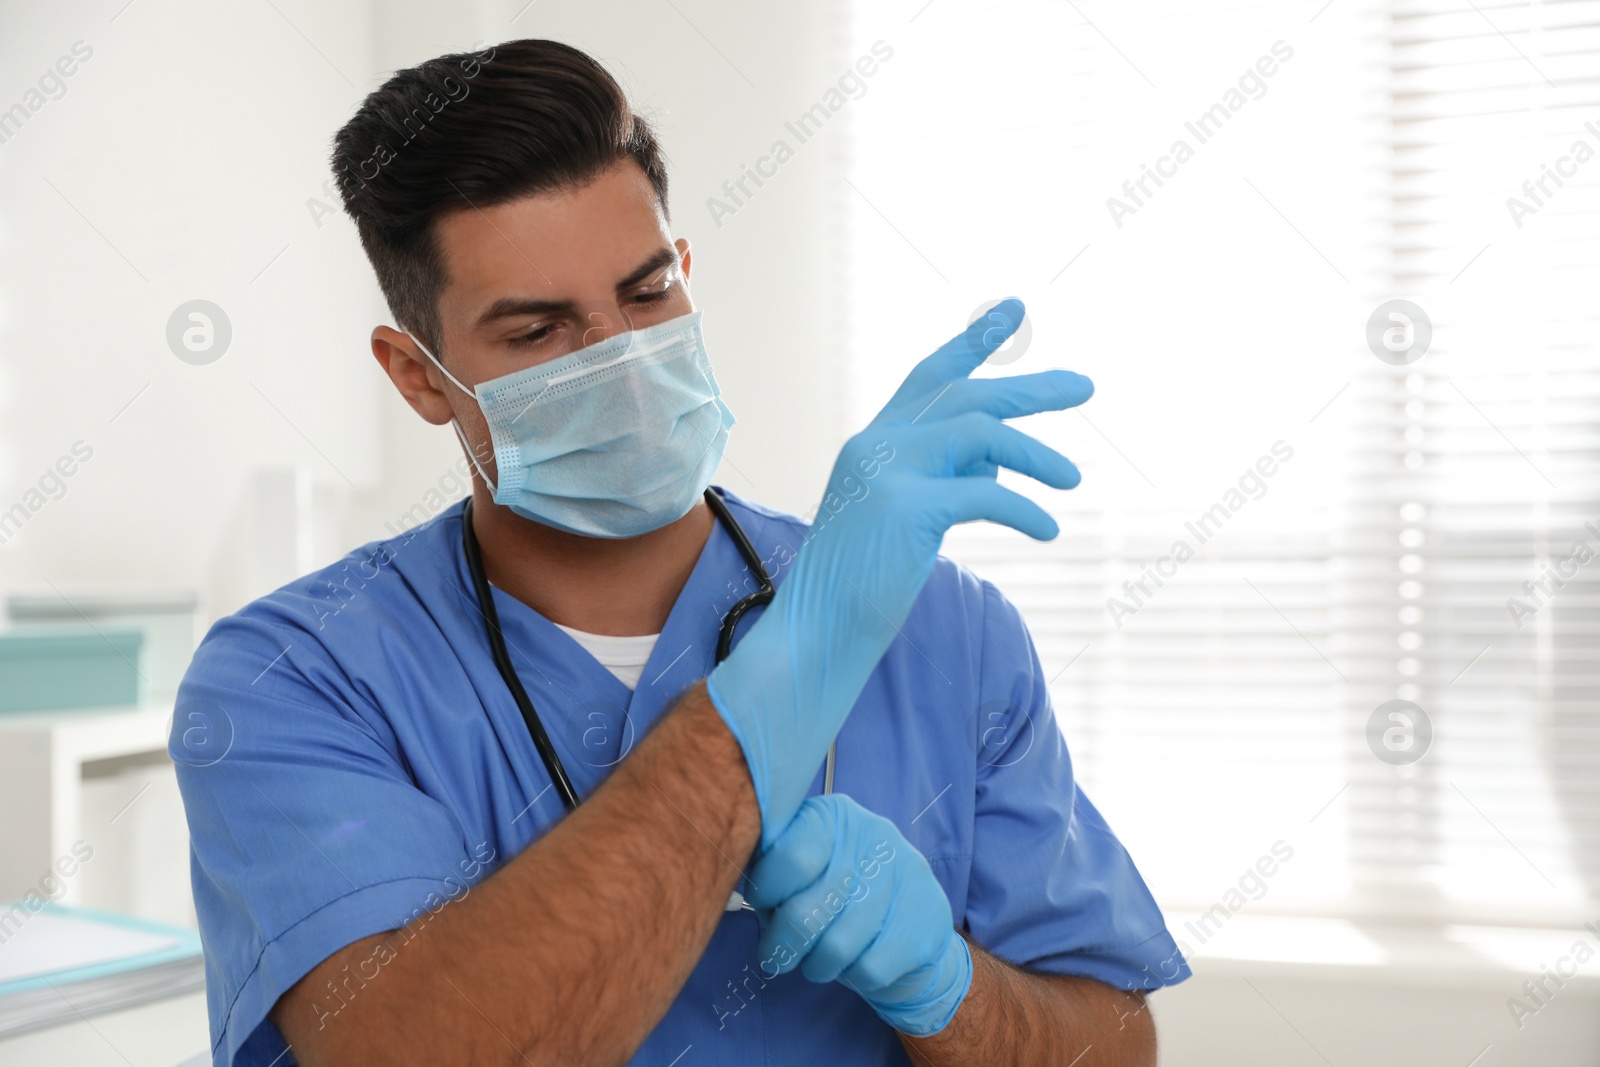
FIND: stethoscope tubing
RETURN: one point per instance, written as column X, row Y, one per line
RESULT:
column 502, row 657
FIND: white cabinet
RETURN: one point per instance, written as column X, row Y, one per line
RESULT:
column 92, row 813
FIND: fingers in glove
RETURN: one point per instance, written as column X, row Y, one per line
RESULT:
column 962, row 354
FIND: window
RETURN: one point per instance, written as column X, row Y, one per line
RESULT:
column 1279, row 532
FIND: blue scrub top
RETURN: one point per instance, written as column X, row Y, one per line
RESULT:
column 350, row 759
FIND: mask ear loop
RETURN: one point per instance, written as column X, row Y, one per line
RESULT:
column 455, row 424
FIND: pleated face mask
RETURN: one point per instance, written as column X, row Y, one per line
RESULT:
column 613, row 440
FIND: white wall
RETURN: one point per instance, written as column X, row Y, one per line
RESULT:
column 176, row 166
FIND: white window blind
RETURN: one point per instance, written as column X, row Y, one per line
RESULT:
column 1479, row 466
column 1277, row 531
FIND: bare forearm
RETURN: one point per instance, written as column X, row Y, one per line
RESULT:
column 1016, row 1017
column 576, row 949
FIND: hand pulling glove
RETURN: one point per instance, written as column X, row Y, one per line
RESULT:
column 845, row 897
column 927, row 461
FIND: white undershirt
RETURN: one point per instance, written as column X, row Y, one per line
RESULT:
column 624, row 657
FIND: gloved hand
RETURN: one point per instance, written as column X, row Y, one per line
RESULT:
column 845, row 896
column 926, row 462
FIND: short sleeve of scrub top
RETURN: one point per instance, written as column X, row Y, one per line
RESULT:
column 307, row 831
column 1051, row 887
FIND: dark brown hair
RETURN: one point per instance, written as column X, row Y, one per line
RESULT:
column 475, row 129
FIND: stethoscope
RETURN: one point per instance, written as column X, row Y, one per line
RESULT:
column 502, row 658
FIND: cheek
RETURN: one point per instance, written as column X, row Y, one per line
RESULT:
column 476, row 430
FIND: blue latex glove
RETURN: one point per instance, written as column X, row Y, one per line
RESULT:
column 843, row 895
column 926, row 462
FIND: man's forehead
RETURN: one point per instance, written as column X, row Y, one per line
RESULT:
column 555, row 243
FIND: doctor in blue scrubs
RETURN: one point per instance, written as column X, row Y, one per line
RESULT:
column 606, row 764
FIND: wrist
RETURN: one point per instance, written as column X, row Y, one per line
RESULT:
column 944, row 990
column 960, row 954
column 756, row 692
column 754, row 748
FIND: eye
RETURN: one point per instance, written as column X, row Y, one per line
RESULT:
column 532, row 337
column 658, row 288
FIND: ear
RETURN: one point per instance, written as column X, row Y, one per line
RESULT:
column 682, row 245
column 413, row 374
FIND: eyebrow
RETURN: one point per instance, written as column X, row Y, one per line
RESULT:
column 508, row 306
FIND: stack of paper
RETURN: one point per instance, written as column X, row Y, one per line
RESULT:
column 58, row 964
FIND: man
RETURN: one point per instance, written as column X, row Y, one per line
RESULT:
column 384, row 866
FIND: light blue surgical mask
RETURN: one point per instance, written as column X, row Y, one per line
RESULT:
column 613, row 440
